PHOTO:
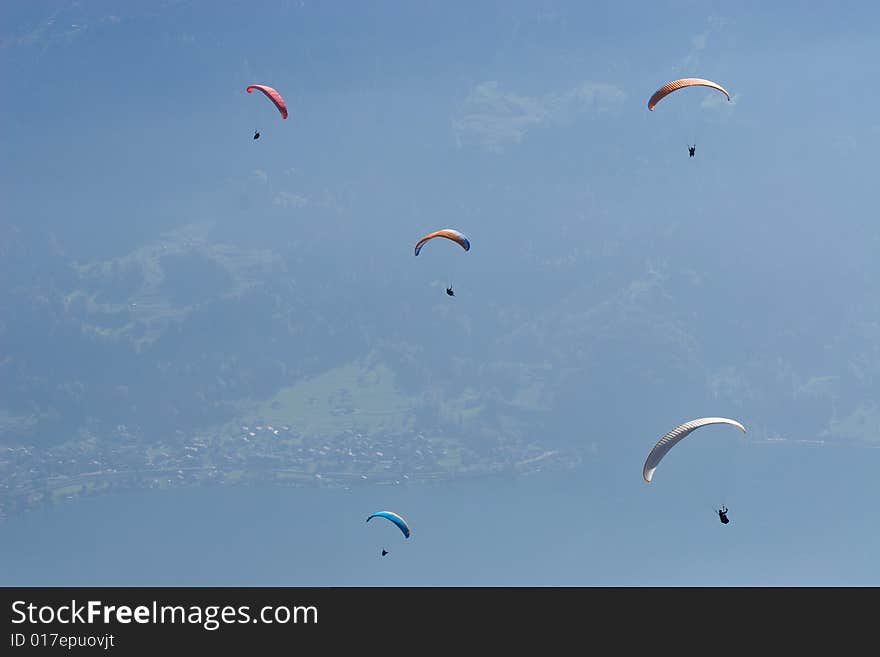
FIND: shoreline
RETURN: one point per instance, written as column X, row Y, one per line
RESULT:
column 59, row 490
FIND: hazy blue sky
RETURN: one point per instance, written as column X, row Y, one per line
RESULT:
column 525, row 125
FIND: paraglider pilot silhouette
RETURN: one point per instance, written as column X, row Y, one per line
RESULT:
column 722, row 513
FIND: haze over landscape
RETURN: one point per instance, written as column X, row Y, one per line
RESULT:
column 208, row 340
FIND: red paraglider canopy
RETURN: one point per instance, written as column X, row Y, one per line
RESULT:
column 272, row 95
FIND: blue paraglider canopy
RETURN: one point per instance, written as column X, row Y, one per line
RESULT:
column 393, row 517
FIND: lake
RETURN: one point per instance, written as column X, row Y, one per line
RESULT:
column 799, row 516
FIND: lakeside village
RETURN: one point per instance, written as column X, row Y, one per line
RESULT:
column 260, row 454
